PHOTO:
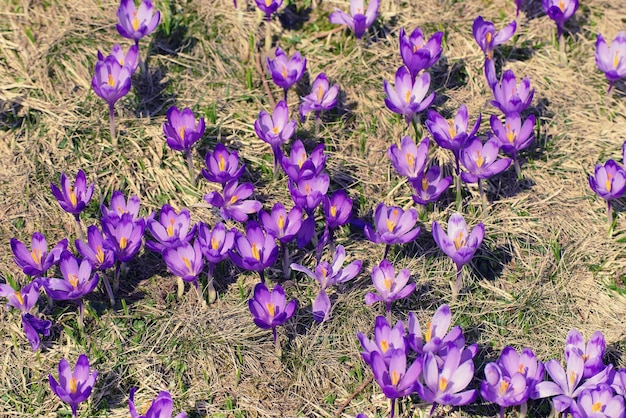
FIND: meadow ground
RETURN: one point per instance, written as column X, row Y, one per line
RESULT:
column 546, row 264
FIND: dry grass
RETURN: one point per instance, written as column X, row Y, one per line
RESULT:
column 546, row 265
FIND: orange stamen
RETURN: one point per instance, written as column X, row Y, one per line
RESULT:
column 73, row 198
column 459, row 241
column 410, row 159
column 181, row 133
column 255, row 252
column 479, row 159
column 452, row 129
column 111, row 81
column 616, row 59
column 73, row 385
column 123, row 242
column 395, row 377
column 99, row 254
column 384, row 345
column 443, row 384
column 73, row 279
column 504, row 386
column 215, row 244
column 333, row 211
column 281, row 222
column 488, row 37
column 424, row 184
column 221, row 164
column 233, row 199
column 510, row 135
column 271, row 308
column 36, row 256
column 320, row 93
column 19, row 297
column 170, row 228
column 597, row 407
column 187, row 263
column 429, row 331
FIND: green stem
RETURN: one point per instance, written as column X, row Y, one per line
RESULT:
column 483, row 196
column 609, row 217
column 518, row 169
column 192, row 176
column 112, row 125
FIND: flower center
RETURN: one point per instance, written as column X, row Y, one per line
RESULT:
column 488, row 37
column 504, row 386
column 36, row 256
column 99, row 254
column 268, row 3
column 307, row 189
column 215, row 244
column 123, row 242
column 391, row 224
column 510, row 135
column 233, row 199
column 521, row 369
column 170, row 228
column 73, row 197
column 221, row 164
column 608, row 183
column 479, row 159
column 572, row 379
column 443, row 384
column 417, row 46
column 271, row 308
column 320, row 93
column 407, row 96
column 73, row 279
column 384, row 345
column 561, row 6
column 281, row 222
column 388, row 282
column 181, row 133
column 255, row 252
column 73, row 385
column 121, row 61
column 187, row 264
column 111, row 81
column 429, row 331
column 597, row 407
column 410, row 159
column 395, row 377
column 275, row 130
column 19, row 297
column 284, row 72
column 301, row 160
column 452, row 129
column 616, row 59
column 135, row 21
column 459, row 241
column 333, row 211
column 424, row 184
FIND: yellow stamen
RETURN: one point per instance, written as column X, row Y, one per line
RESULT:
column 187, row 263
column 410, row 159
column 135, row 21
column 324, row 272
column 390, row 225
column 123, row 242
column 561, row 5
column 504, row 386
column 479, row 159
column 215, row 244
column 73, row 279
column 384, row 345
column 36, row 256
column 443, row 384
column 275, row 130
column 120, row 210
column 407, row 97
column 307, row 189
column 233, row 199
column 572, row 378
column 170, row 228
column 122, row 62
column 459, row 241
column 521, row 369
column 271, row 308
column 255, row 252
column 268, row 3
column 608, row 183
column 597, row 407
column 452, row 129
column 301, row 160
column 429, row 331
column 416, row 47
column 99, row 254
column 73, row 385
column 111, row 81
column 221, row 164
column 284, row 72
column 510, row 135
column 320, row 93
column 181, row 133
column 585, row 357
column 388, row 282
column 19, row 297
column 395, row 377
column 616, row 59
column 73, row 197
column 424, row 184
column 333, row 211
column 488, row 37
column 281, row 222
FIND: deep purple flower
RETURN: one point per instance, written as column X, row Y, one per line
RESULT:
column 269, row 309
column 429, row 186
column 486, row 36
column 299, row 165
column 393, row 377
column 389, row 286
column 308, row 193
column 600, row 402
column 418, row 54
column 408, row 159
column 268, row 7
column 135, row 23
column 123, row 237
column 118, row 207
column 284, row 226
column 609, row 181
column 513, row 135
column 386, row 340
column 256, row 250
column 128, row 59
column 452, row 135
column 286, row 71
column 322, row 97
column 171, row 230
column 100, row 257
column 437, row 334
column 181, row 129
column 77, row 279
column 408, row 97
column 591, row 354
column 612, row 60
column 160, row 407
column 39, row 260
column 337, row 209
column 443, row 384
column 215, row 243
column 560, row 11
column 184, row 261
column 359, row 19
column 33, row 327
column 111, row 81
column 458, row 244
column 508, row 95
column 481, row 161
column 222, row 165
column 74, row 386
column 393, row 225
column 73, row 199
column 23, row 299
column 277, row 129
column 234, row 204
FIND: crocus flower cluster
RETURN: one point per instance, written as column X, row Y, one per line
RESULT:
column 24, row 300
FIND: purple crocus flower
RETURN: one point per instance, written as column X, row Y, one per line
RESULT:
column 215, row 243
column 452, row 135
column 437, row 334
column 600, row 402
column 513, row 135
column 100, row 257
column 276, row 129
column 322, row 97
column 612, row 60
column 560, row 11
column 337, row 209
column 591, row 354
column 488, row 38
column 408, row 97
column 286, row 71
column 299, row 165
column 386, row 340
column 118, row 206
column 567, row 385
column 77, row 279
column 73, row 199
column 33, row 327
column 24, row 300
column 417, row 54
column 393, row 376
column 270, row 309
column 234, row 203
column 184, row 261
column 429, row 186
column 111, row 81
column 459, row 244
column 444, row 384
column 389, row 286
column 609, row 181
column 128, row 59
column 308, row 193
column 181, row 129
column 37, row 261
column 618, row 381
column 256, row 250
column 359, row 18
column 268, row 7
column 74, row 386
column 171, row 230
column 222, row 165
column 123, row 237
column 284, row 226
column 135, row 23
column 393, row 225
column 160, row 407
column 508, row 95
column 481, row 161
column 408, row 159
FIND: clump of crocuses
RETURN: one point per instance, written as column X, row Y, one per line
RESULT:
column 25, row 300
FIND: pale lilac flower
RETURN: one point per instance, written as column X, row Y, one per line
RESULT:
column 600, row 402
column 408, row 159
column 359, row 18
column 128, row 59
column 171, row 230
column 393, row 376
column 284, row 226
column 392, row 225
column 513, row 135
column 429, row 186
column 298, row 165
column 37, row 261
column 481, row 161
column 286, row 71
column 488, row 38
column 509, row 96
column 73, row 199
column 100, row 257
column 74, row 386
column 276, row 129
column 160, row 407
column 408, row 97
column 612, row 60
column 222, row 165
column 322, row 97
column 390, row 287
column 560, row 11
column 386, row 340
column 418, row 54
column 234, row 202
column 185, row 261
column 591, row 354
column 135, row 23
column 181, row 129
